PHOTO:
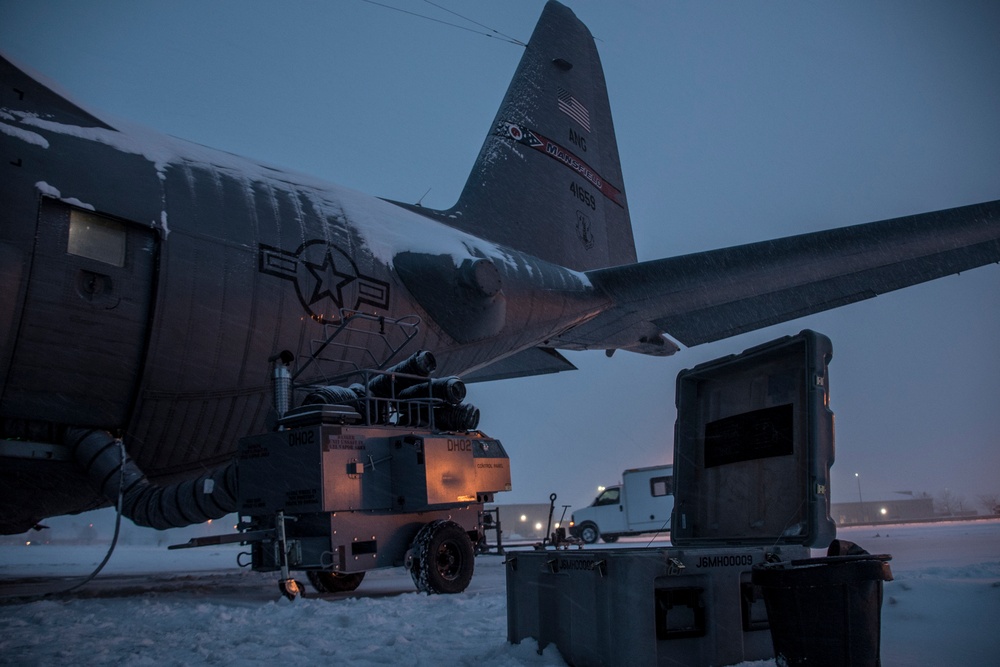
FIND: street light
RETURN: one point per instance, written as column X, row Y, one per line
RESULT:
column 860, row 500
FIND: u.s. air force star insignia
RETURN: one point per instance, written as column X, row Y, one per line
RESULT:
column 326, row 279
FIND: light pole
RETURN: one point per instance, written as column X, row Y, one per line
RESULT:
column 857, row 476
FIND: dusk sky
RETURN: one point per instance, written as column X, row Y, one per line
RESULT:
column 736, row 122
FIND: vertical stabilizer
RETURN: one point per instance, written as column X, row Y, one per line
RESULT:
column 548, row 180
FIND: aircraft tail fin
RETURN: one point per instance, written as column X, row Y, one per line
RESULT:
column 548, row 179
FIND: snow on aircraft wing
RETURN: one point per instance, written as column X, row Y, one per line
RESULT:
column 707, row 296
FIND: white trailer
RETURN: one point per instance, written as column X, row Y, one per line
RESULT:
column 642, row 503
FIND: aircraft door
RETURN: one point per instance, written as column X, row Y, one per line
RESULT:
column 84, row 327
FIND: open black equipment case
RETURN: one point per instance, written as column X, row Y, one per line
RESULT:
column 753, row 446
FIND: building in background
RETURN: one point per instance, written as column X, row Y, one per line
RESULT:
column 893, row 511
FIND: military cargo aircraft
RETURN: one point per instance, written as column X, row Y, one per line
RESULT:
column 148, row 281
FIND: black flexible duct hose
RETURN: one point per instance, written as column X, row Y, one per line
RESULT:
column 211, row 496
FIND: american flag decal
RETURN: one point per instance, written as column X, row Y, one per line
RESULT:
column 570, row 106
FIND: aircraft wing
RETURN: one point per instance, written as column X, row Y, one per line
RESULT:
column 708, row 296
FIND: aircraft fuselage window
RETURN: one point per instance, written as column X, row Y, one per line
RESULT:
column 96, row 237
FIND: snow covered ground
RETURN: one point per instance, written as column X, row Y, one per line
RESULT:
column 153, row 606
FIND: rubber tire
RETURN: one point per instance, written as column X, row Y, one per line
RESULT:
column 610, row 539
column 442, row 558
column 589, row 532
column 334, row 582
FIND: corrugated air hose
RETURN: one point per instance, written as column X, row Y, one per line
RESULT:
column 113, row 473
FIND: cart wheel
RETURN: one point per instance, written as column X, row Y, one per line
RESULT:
column 334, row 582
column 589, row 532
column 610, row 539
column 441, row 558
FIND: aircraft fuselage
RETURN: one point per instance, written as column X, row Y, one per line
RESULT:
column 152, row 279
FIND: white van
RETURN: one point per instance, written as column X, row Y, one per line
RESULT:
column 641, row 504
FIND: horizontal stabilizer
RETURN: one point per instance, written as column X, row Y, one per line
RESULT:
column 708, row 296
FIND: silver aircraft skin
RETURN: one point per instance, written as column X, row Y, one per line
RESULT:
column 147, row 281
